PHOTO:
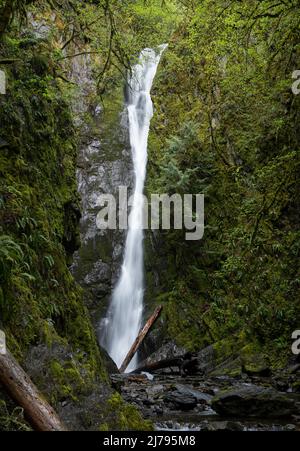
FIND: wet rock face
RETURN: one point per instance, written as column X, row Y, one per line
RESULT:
column 104, row 164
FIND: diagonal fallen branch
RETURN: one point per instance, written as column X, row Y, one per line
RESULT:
column 140, row 338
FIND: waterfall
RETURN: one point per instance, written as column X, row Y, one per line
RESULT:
column 124, row 317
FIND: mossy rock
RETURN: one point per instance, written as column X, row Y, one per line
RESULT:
column 254, row 401
column 254, row 362
column 125, row 417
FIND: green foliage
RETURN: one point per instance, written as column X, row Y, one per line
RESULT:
column 10, row 256
column 12, row 419
column 189, row 327
column 228, row 71
column 177, row 169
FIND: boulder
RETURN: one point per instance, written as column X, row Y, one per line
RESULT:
column 181, row 399
column 214, row 426
column 254, row 363
column 254, row 401
column 201, row 398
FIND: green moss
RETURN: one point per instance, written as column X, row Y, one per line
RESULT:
column 253, row 360
column 125, row 416
column 12, row 419
column 182, row 327
column 40, row 303
column 71, row 379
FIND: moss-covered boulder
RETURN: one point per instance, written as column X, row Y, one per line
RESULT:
column 254, row 401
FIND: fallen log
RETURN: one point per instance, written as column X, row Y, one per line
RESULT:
column 160, row 364
column 39, row 413
column 140, row 338
column 187, row 363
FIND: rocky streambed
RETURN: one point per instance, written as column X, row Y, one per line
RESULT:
column 220, row 403
column 178, row 400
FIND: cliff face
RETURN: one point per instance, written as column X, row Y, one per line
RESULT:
column 104, row 164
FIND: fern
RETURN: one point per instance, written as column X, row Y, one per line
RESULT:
column 11, row 255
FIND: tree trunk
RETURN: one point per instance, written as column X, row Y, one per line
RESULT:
column 18, row 384
column 140, row 338
column 160, row 364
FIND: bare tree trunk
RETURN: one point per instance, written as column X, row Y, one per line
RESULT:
column 140, row 338
column 18, row 384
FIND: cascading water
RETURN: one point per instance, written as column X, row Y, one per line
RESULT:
column 125, row 313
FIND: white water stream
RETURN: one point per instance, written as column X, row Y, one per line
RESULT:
column 126, row 308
